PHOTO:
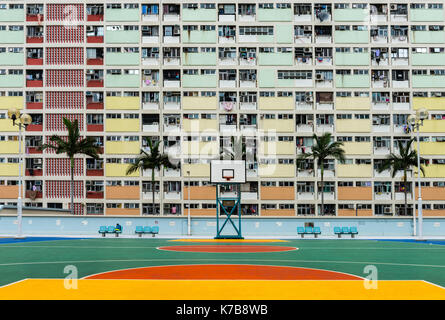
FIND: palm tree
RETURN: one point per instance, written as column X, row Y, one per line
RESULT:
column 153, row 160
column 324, row 147
column 403, row 162
column 73, row 146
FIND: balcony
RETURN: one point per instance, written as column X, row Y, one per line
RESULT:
column 428, row 37
column 122, row 125
column 353, row 125
column 354, row 193
column 118, row 170
column 199, row 36
column 357, row 148
column 277, row 125
column 122, row 103
column 197, row 170
column 277, row 148
column 12, row 59
column 352, row 103
column 351, row 15
column 9, row 169
column 428, row 81
column 95, row 194
column 426, row 15
column 200, row 125
column 9, row 192
column 275, row 59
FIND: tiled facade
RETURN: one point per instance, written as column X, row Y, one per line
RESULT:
column 195, row 73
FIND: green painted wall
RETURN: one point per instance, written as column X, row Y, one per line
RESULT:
column 122, row 36
column 123, row 81
column 276, row 59
column 199, row 15
column 428, row 59
column 199, row 59
column 199, row 36
column 284, row 33
column 427, row 81
column 122, row 59
column 12, row 81
column 427, row 36
column 12, row 59
column 264, row 15
column 351, row 14
column 132, row 15
column 426, row 15
column 12, row 15
column 199, row 81
column 352, row 59
column 352, row 81
column 351, row 36
column 266, row 78
column 12, row 37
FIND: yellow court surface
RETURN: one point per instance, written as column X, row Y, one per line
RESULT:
column 54, row 289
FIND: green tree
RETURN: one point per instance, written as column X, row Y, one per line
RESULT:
column 324, row 147
column 404, row 161
column 72, row 146
column 152, row 160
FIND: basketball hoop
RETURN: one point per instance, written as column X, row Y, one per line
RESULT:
column 228, row 174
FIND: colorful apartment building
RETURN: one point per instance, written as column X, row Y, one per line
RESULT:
column 194, row 73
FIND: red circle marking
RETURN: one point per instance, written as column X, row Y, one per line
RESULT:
column 227, row 248
column 224, row 272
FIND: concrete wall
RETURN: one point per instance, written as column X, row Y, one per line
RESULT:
column 251, row 227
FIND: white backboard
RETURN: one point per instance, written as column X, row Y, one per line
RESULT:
column 221, row 169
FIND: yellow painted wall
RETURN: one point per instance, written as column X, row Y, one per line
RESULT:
column 358, row 148
column 276, row 103
column 122, row 125
column 435, row 103
column 354, row 171
column 353, row 125
column 277, row 147
column 353, row 103
column 200, row 125
column 11, row 102
column 433, row 126
column 199, row 147
column 432, row 148
column 122, row 147
column 278, row 125
column 118, row 170
column 9, row 169
column 196, row 170
column 199, row 103
column 276, row 170
column 6, row 126
column 434, row 171
column 122, row 103
column 9, row 147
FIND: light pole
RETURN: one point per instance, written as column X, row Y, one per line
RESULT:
column 188, row 216
column 22, row 120
column 415, row 121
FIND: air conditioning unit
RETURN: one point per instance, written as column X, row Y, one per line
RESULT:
column 90, row 28
column 319, row 76
column 393, row 7
column 387, row 210
column 308, row 99
column 167, row 49
column 307, row 49
column 307, row 28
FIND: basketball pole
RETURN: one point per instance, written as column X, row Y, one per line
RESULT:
column 188, row 216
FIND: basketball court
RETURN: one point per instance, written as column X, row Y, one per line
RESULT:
column 209, row 269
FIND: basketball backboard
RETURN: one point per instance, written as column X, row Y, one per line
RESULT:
column 227, row 171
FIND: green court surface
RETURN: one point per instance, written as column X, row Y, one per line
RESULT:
column 393, row 260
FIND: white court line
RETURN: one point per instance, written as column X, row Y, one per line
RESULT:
column 250, row 260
